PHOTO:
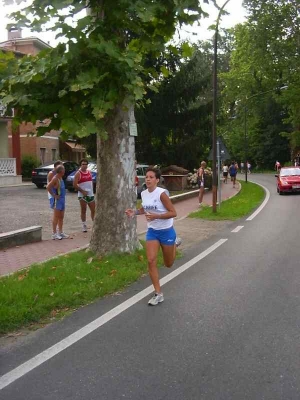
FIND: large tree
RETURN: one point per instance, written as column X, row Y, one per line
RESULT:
column 90, row 83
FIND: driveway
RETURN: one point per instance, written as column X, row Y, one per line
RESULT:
column 24, row 206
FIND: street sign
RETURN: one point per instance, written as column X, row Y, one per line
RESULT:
column 224, row 154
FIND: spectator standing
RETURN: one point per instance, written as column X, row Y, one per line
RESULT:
column 51, row 174
column 56, row 188
column 83, row 182
column 201, row 181
column 159, row 212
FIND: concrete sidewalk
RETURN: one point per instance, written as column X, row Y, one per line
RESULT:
column 20, row 257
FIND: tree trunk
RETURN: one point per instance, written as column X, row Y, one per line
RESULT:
column 113, row 231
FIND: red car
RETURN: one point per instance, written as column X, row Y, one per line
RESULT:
column 288, row 180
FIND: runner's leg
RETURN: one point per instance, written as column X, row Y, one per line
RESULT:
column 169, row 254
column 152, row 248
column 92, row 209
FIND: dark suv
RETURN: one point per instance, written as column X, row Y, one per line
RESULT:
column 39, row 175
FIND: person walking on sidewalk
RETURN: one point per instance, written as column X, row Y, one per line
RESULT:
column 225, row 172
column 56, row 188
column 159, row 212
column 201, row 182
column 232, row 172
column 83, row 182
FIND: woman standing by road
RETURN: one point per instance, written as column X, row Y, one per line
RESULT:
column 159, row 212
column 201, row 182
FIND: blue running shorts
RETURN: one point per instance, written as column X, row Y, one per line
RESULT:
column 163, row 236
column 59, row 204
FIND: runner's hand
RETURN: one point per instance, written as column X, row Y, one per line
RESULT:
column 130, row 212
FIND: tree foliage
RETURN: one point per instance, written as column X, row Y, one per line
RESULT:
column 176, row 124
column 88, row 84
column 103, row 64
column 265, row 58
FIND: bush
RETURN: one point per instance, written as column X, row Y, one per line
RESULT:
column 28, row 163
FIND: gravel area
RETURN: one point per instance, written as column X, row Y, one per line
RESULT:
column 24, row 206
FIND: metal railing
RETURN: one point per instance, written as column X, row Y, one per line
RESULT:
column 8, row 167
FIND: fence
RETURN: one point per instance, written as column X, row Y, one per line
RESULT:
column 8, row 167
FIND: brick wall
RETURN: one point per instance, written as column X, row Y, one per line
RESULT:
column 44, row 148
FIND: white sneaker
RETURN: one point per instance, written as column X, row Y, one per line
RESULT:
column 56, row 236
column 178, row 241
column 200, row 204
column 157, row 298
column 84, row 228
column 64, row 235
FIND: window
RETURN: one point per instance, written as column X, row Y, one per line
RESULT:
column 53, row 154
column 42, row 154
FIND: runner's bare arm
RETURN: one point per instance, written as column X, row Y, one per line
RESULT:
column 53, row 184
column 75, row 184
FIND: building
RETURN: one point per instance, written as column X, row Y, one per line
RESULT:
column 24, row 141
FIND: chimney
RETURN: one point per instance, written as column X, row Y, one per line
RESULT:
column 13, row 32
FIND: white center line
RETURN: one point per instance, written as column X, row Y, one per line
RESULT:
column 39, row 359
column 237, row 229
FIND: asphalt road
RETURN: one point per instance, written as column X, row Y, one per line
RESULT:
column 228, row 329
column 24, row 206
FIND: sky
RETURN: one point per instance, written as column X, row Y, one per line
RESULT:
column 234, row 7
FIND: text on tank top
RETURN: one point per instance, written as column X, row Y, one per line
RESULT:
column 85, row 182
column 152, row 204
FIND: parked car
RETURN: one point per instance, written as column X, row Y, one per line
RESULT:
column 70, row 179
column 141, row 170
column 140, row 178
column 39, row 175
column 288, row 180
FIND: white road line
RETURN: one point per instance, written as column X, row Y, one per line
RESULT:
column 39, row 359
column 264, row 203
column 237, row 229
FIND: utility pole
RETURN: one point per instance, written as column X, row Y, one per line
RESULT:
column 214, row 120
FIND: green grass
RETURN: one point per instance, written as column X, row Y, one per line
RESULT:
column 249, row 197
column 48, row 291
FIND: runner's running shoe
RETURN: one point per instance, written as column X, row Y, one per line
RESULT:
column 157, row 298
column 178, row 241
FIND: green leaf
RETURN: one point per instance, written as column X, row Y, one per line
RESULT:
column 187, row 50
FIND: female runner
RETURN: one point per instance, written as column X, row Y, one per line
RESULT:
column 159, row 212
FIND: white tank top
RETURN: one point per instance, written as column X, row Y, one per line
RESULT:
column 85, row 182
column 54, row 173
column 152, row 204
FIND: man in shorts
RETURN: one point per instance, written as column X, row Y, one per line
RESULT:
column 57, row 191
column 83, row 183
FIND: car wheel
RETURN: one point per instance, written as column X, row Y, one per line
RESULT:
column 39, row 185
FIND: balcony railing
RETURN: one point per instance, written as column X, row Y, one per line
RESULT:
column 4, row 113
column 8, row 167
